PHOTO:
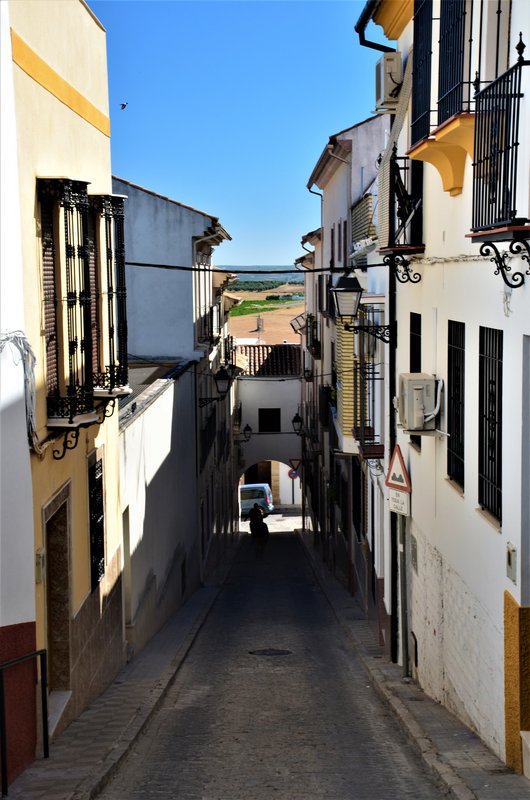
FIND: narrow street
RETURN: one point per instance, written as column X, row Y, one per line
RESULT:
column 272, row 702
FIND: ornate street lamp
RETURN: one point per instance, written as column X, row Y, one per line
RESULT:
column 347, row 295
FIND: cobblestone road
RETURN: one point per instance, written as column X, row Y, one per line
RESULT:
column 272, row 702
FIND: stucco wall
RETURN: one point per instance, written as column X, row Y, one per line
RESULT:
column 256, row 393
column 17, row 583
column 159, row 498
column 160, row 302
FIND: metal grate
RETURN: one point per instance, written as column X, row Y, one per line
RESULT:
column 421, row 86
column 496, row 151
column 452, row 57
column 456, row 400
column 97, row 523
column 490, row 421
column 415, row 355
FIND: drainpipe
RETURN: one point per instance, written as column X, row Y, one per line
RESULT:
column 360, row 28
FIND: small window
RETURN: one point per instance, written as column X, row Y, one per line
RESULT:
column 270, row 420
column 97, row 523
column 490, row 421
column 456, row 353
column 415, row 356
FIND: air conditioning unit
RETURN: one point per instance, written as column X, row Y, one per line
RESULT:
column 418, row 401
column 388, row 79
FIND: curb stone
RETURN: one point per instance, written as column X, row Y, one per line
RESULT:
column 439, row 764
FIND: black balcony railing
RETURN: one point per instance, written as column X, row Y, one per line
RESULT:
column 406, row 202
column 421, row 87
column 495, row 168
column 454, row 78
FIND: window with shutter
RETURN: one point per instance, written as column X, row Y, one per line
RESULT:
column 67, row 299
column 50, row 293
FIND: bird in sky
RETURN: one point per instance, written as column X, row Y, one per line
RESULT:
column 123, row 105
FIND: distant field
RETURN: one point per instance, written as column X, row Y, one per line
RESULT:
column 263, row 286
column 260, row 306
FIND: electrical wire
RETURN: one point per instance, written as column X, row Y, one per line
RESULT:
column 239, row 272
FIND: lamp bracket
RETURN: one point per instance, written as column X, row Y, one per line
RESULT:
column 402, row 269
column 517, row 247
column 205, row 401
column 382, row 332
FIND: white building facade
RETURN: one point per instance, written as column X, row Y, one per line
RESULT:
column 462, row 132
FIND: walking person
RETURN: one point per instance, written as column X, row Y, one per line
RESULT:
column 258, row 529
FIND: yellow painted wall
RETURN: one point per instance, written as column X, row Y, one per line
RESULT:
column 61, row 96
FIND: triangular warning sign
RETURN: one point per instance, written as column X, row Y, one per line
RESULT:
column 295, row 463
column 397, row 476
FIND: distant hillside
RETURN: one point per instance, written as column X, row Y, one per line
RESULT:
column 265, row 273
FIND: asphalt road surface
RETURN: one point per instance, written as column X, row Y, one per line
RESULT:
column 271, row 702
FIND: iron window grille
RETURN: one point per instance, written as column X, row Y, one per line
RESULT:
column 490, row 421
column 415, row 355
column 367, row 385
column 454, row 76
column 405, row 202
column 312, row 340
column 84, row 303
column 421, row 86
column 67, row 298
column 495, row 168
column 97, row 523
column 109, row 302
column 456, row 353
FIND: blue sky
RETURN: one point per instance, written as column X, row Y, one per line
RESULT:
column 230, row 105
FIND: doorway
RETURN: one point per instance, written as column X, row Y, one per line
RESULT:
column 56, row 521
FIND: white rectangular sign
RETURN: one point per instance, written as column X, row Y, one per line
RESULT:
column 399, row 502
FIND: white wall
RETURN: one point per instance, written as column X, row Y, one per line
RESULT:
column 159, row 301
column 457, row 590
column 256, row 393
column 17, row 571
column 289, row 488
column 159, row 489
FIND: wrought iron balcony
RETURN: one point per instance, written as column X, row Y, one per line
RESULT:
column 495, row 167
column 74, row 409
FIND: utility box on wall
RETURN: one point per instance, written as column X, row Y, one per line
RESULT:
column 417, row 401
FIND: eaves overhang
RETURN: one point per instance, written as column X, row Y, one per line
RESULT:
column 331, row 159
column 312, row 238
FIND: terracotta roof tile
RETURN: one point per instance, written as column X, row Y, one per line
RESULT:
column 269, row 360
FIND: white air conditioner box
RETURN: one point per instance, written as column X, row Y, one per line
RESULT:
column 388, row 78
column 417, row 401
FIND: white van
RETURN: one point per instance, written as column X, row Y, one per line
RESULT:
column 250, row 493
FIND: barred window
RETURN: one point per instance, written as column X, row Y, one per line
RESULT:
column 421, row 86
column 490, row 421
column 456, row 352
column 97, row 523
column 415, row 355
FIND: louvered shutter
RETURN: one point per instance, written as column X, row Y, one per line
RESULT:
column 49, row 285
